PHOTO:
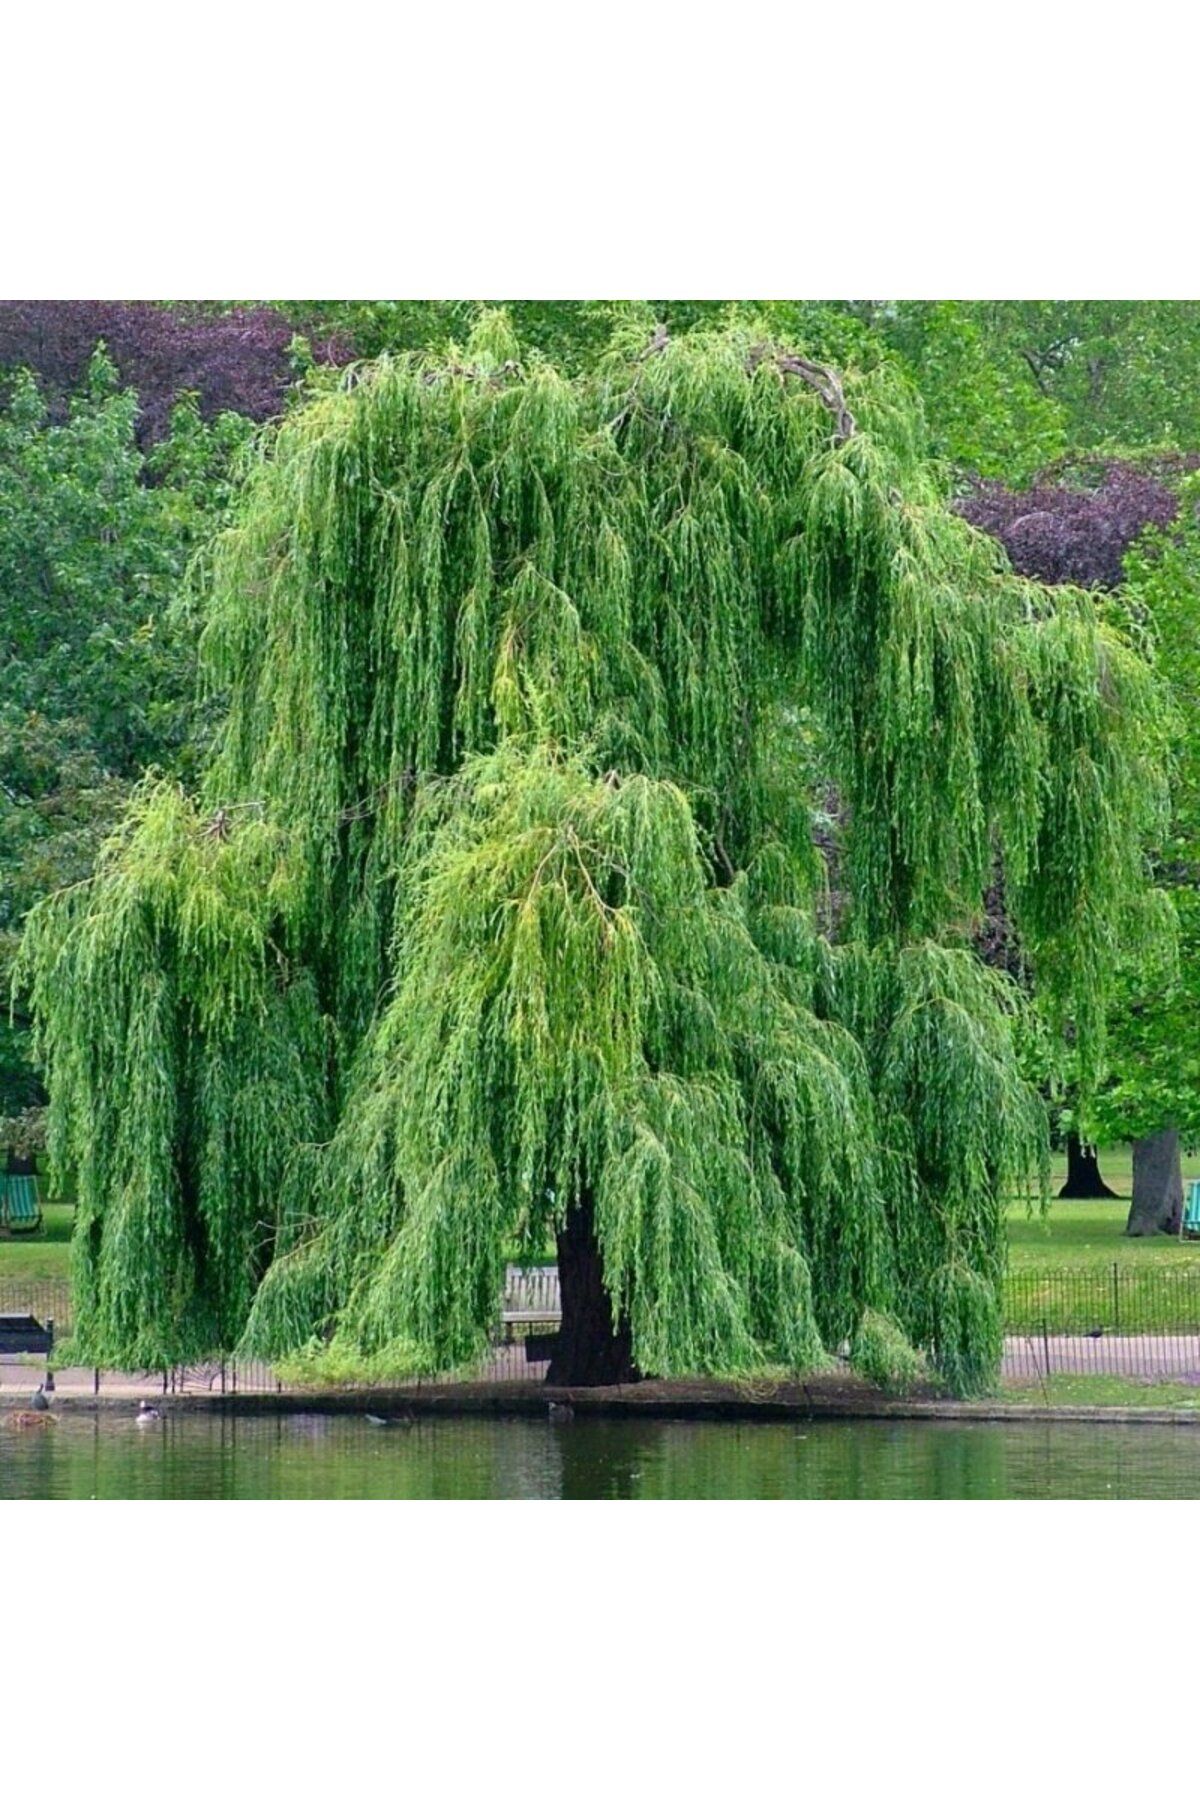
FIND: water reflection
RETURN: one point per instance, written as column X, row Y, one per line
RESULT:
column 606, row 1460
column 317, row 1456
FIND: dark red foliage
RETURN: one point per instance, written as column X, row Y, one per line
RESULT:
column 236, row 361
column 1059, row 530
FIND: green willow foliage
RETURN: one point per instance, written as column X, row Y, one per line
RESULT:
column 502, row 889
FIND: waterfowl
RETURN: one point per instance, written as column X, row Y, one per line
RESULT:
column 146, row 1414
column 561, row 1415
column 39, row 1401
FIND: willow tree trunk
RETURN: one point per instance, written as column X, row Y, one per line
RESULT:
column 1084, row 1180
column 1157, row 1185
column 593, row 1349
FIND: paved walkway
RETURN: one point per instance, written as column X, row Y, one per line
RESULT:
column 18, row 1382
column 1151, row 1358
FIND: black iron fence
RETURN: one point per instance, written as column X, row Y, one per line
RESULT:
column 531, row 1307
column 1133, row 1323
column 46, row 1299
column 1140, row 1322
column 1106, row 1298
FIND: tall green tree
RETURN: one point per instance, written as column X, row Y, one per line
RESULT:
column 1152, row 1095
column 987, row 414
column 97, row 669
column 1009, row 385
column 501, row 908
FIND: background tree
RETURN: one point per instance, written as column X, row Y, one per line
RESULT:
column 1119, row 524
column 1079, row 519
column 1009, row 385
column 500, row 912
column 1153, row 1095
column 987, row 416
column 97, row 668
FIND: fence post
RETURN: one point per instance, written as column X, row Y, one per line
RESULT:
column 1116, row 1297
column 1046, row 1348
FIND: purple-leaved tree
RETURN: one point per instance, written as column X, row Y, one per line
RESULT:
column 236, row 361
column 1076, row 529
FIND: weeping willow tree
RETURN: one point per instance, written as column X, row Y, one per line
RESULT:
column 510, row 908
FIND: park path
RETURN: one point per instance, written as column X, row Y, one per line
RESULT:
column 19, row 1379
column 1152, row 1358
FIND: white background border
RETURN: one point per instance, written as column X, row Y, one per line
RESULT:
column 558, row 151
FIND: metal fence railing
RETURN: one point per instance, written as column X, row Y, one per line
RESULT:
column 531, row 1306
column 1113, row 1319
column 1109, row 1299
column 1134, row 1323
column 46, row 1299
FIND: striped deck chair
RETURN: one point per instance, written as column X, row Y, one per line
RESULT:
column 1190, row 1226
column 20, row 1207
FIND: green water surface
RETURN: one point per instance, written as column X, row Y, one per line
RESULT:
column 313, row 1456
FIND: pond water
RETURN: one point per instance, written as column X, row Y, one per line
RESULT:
column 317, row 1457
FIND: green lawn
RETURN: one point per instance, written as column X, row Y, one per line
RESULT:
column 1101, row 1390
column 1089, row 1234
column 44, row 1257
column 1073, row 1269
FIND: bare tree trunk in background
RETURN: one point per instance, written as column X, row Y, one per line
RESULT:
column 1084, row 1180
column 1157, row 1203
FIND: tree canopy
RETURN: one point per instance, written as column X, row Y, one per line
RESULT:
column 1127, row 527
column 98, row 668
column 501, row 899
column 1154, row 1068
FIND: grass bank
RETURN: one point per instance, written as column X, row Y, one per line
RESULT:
column 1102, row 1390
